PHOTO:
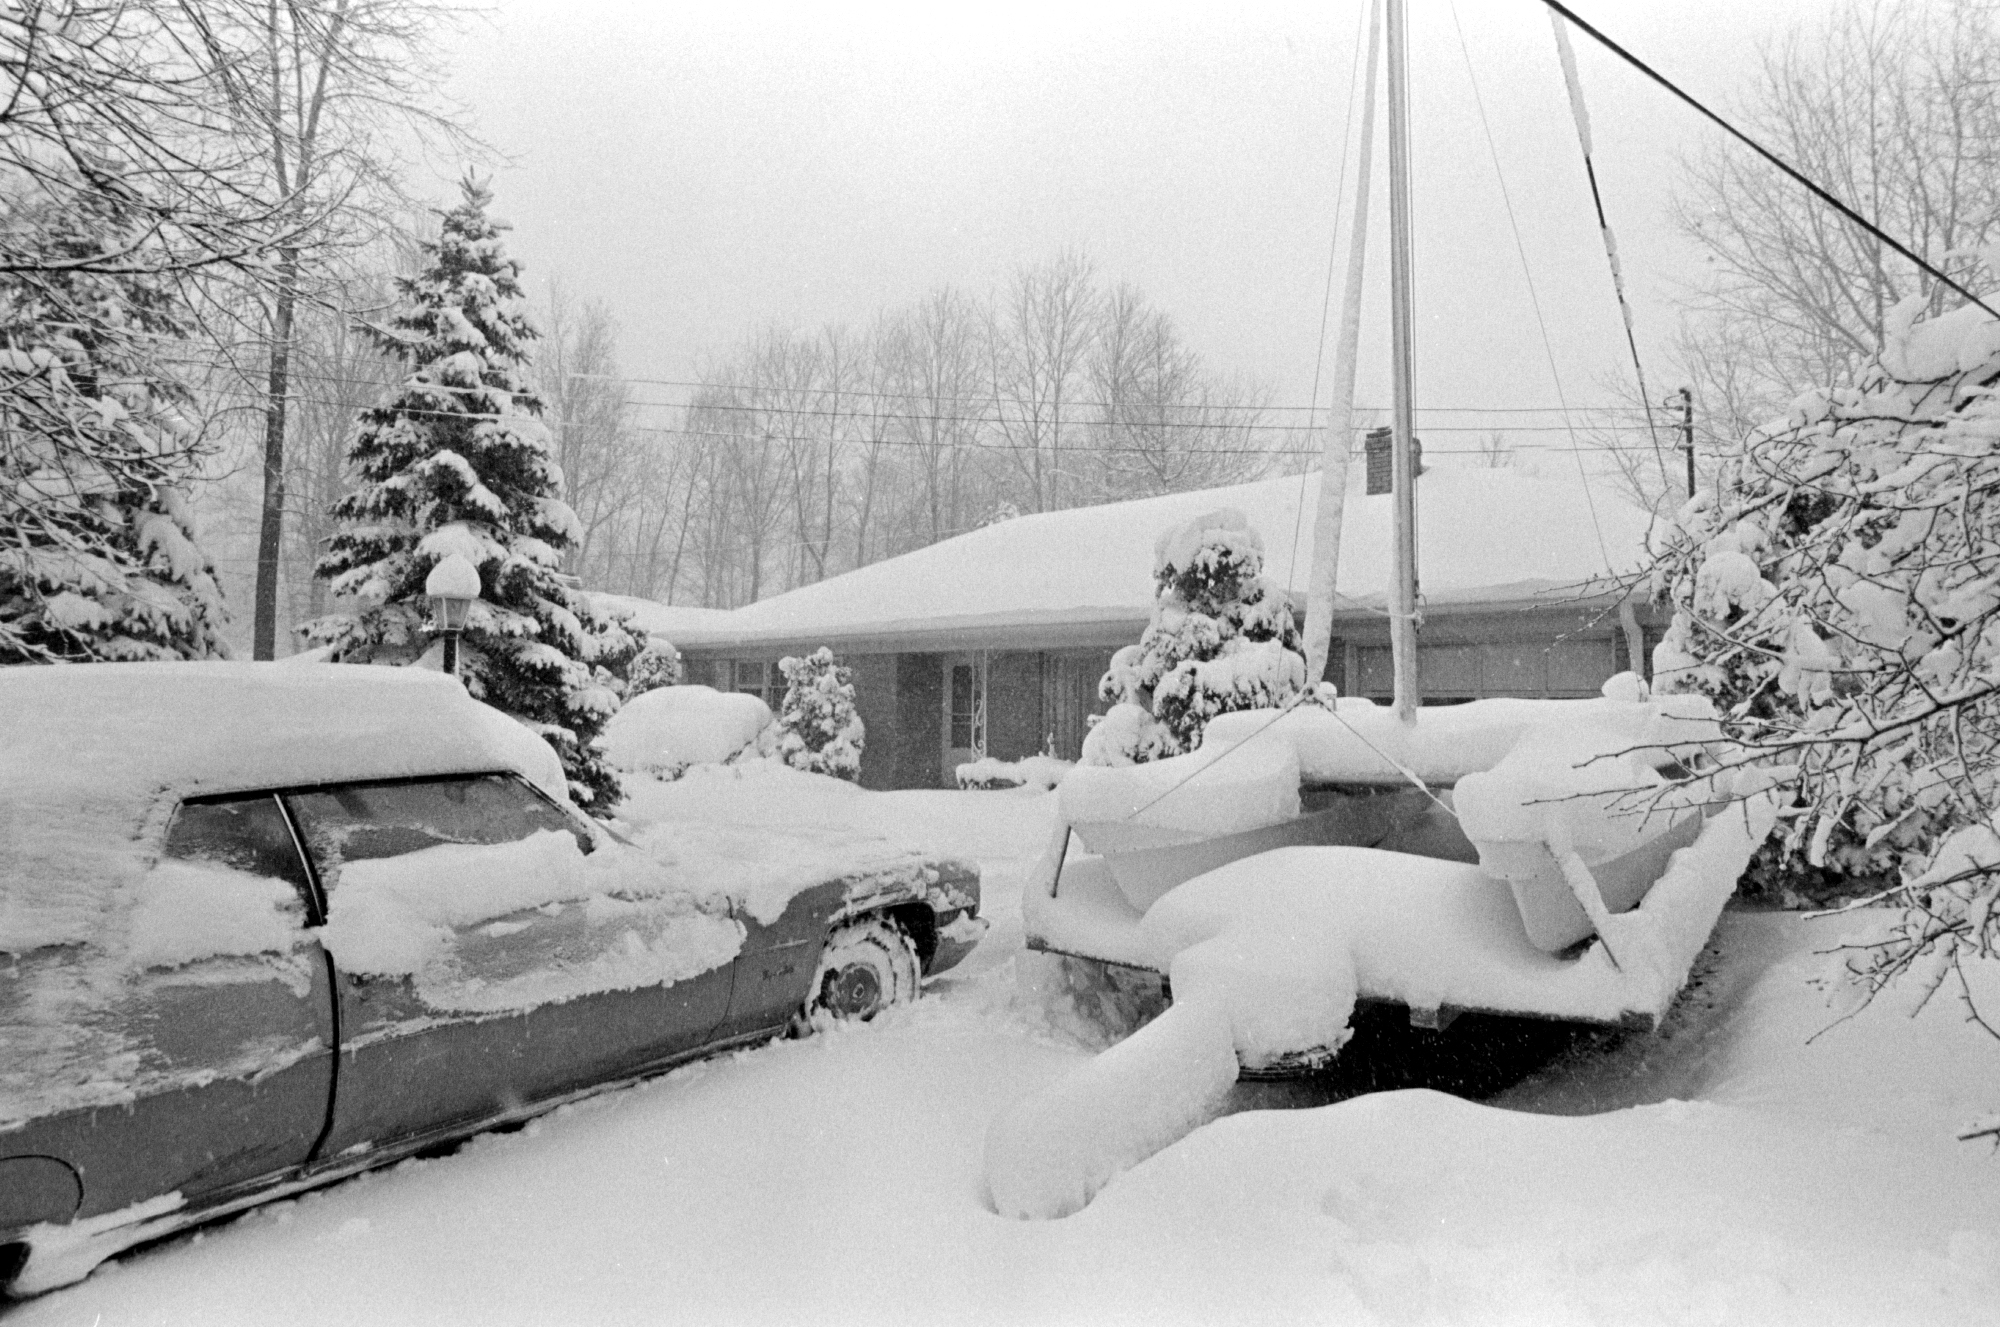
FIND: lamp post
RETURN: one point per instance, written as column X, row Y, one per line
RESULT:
column 452, row 586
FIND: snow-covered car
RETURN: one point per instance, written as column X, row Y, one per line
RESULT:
column 262, row 927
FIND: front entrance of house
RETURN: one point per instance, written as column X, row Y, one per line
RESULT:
column 964, row 712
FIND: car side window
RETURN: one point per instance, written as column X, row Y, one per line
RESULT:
column 361, row 822
column 247, row 834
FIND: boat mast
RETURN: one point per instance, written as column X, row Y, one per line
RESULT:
column 1331, row 513
column 1402, row 299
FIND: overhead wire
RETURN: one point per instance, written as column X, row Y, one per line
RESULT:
column 1830, row 199
column 1534, row 298
column 1573, row 83
column 1326, row 295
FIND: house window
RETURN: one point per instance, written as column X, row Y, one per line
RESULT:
column 759, row 678
column 964, row 707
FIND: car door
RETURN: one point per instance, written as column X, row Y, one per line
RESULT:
column 476, row 977
column 204, row 1010
column 775, row 971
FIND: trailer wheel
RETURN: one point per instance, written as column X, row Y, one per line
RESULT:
column 867, row 965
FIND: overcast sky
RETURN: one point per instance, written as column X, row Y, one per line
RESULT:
column 709, row 170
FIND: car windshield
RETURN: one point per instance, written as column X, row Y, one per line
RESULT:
column 364, row 821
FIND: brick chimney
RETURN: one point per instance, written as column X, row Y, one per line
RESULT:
column 1379, row 450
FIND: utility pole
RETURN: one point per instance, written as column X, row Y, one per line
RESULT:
column 1687, row 431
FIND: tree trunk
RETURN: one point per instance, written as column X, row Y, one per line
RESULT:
column 271, row 532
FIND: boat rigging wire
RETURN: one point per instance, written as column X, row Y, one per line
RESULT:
column 1298, row 516
column 1534, row 299
column 1326, row 298
column 1581, row 114
column 1830, row 199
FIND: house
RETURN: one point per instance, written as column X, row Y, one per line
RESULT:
column 993, row 642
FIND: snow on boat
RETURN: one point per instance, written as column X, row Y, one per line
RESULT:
column 1563, row 858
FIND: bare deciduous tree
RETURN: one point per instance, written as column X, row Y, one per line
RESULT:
column 1893, row 106
column 587, row 406
column 314, row 92
column 1040, row 334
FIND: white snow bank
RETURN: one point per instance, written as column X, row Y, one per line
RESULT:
column 1268, row 951
column 738, row 831
column 612, row 920
column 94, row 757
column 668, row 729
column 1361, row 742
column 1795, row 1180
column 1279, row 945
column 1049, row 1154
column 1215, row 789
column 188, row 911
column 1041, row 772
column 1585, row 786
column 1431, row 933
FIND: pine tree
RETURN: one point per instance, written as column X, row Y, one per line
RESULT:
column 98, row 556
column 821, row 731
column 1221, row 639
column 459, row 462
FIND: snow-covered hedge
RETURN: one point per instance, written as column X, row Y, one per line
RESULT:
column 657, row 665
column 1039, row 772
column 821, row 731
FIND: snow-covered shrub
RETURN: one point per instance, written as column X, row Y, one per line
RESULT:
column 459, row 462
column 1038, row 772
column 1221, row 639
column 658, row 665
column 666, row 731
column 97, row 445
column 1838, row 595
column 821, row 732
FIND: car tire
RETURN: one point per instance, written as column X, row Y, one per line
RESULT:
column 867, row 965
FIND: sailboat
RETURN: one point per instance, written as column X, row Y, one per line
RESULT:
column 1562, row 859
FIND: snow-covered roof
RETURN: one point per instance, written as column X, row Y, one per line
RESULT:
column 1485, row 536
column 670, row 621
column 93, row 757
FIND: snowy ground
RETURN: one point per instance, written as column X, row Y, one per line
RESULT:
column 1727, row 1171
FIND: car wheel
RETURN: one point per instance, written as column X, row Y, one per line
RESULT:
column 867, row 965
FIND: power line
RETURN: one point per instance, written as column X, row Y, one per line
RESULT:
column 941, row 400
column 991, row 445
column 1823, row 195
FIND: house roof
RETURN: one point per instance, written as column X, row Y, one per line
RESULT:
column 671, row 621
column 1488, row 538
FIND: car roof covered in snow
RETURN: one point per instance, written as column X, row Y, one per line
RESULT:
column 1485, row 537
column 93, row 758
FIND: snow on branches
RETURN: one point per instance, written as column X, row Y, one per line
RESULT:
column 821, row 733
column 97, row 445
column 1221, row 639
column 657, row 665
column 459, row 462
column 1838, row 596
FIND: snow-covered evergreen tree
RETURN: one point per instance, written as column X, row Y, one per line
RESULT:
column 820, row 730
column 98, row 556
column 657, row 665
column 1838, row 595
column 1221, row 639
column 459, row 462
